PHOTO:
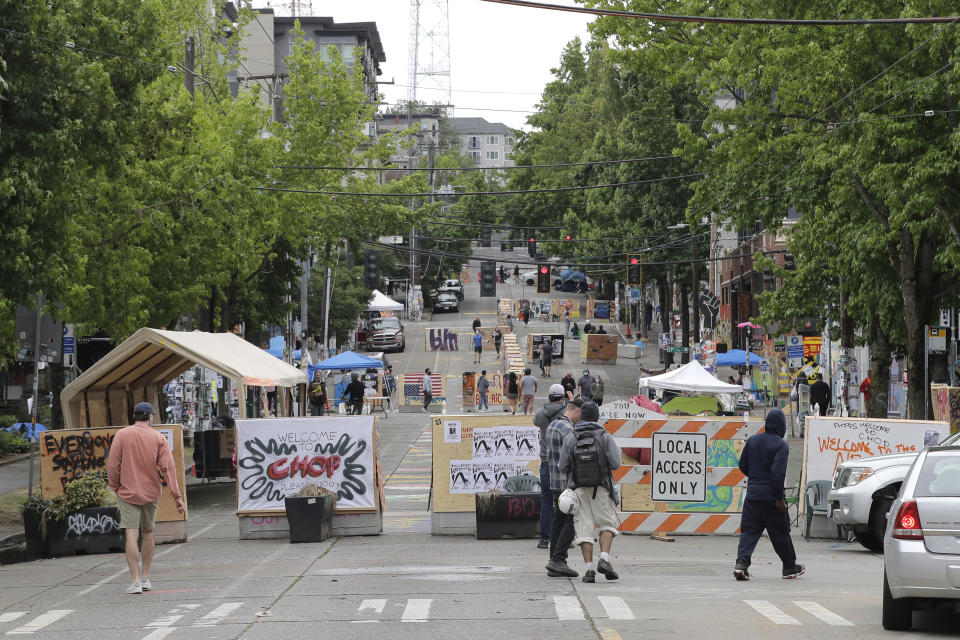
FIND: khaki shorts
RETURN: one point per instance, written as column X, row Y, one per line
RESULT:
column 137, row 516
column 593, row 513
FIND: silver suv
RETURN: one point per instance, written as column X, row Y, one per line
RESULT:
column 863, row 490
column 921, row 546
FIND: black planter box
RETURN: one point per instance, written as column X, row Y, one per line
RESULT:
column 93, row 530
column 33, row 533
column 511, row 515
column 309, row 518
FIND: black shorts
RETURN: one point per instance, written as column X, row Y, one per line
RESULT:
column 478, row 349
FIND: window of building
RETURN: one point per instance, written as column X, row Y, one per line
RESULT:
column 493, row 139
column 493, row 155
column 508, row 140
column 343, row 44
column 475, row 155
column 473, row 142
column 508, row 155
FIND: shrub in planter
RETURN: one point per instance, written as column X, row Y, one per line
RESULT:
column 82, row 520
column 32, row 513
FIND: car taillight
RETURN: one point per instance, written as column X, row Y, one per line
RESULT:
column 907, row 525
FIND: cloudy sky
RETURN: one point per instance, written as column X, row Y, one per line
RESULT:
column 501, row 56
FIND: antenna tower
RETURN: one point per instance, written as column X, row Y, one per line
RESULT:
column 428, row 65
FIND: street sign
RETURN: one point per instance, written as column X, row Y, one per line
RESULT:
column 795, row 351
column 936, row 339
column 390, row 239
column 678, row 467
column 676, row 349
column 635, row 293
column 69, row 346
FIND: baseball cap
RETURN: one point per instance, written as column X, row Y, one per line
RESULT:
column 144, row 407
column 579, row 401
column 556, row 390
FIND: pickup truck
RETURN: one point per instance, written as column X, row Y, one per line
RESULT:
column 385, row 334
column 863, row 490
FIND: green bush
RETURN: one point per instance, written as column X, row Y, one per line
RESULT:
column 7, row 421
column 88, row 490
column 13, row 443
column 34, row 503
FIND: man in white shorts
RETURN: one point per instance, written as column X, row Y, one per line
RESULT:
column 588, row 457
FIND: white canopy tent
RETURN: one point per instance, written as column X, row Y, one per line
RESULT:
column 690, row 378
column 381, row 302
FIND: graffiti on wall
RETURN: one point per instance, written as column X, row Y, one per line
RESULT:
column 442, row 340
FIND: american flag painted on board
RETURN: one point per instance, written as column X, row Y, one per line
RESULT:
column 412, row 386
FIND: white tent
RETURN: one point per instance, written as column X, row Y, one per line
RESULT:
column 381, row 302
column 690, row 378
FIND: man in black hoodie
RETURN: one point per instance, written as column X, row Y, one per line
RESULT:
column 764, row 462
column 547, row 414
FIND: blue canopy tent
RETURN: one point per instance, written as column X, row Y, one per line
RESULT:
column 737, row 358
column 25, row 429
column 346, row 360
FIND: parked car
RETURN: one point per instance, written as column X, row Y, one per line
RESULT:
column 453, row 285
column 921, row 545
column 385, row 334
column 864, row 489
column 446, row 301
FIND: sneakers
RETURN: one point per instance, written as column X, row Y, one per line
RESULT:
column 145, row 583
column 795, row 571
column 560, row 569
column 590, row 576
column 135, row 588
column 606, row 569
column 543, row 544
column 740, row 572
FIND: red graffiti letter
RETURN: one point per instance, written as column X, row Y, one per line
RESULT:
column 277, row 469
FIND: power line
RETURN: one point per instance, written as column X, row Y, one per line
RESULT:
column 668, row 17
column 478, row 193
column 525, row 166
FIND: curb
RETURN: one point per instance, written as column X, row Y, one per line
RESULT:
column 17, row 458
column 12, row 540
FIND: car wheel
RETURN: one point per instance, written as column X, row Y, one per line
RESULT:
column 866, row 539
column 878, row 520
column 403, row 346
column 897, row 614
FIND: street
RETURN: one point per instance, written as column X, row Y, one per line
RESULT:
column 409, row 584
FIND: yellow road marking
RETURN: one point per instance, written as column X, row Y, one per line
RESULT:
column 609, row 634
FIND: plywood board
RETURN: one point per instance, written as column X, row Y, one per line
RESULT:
column 68, row 453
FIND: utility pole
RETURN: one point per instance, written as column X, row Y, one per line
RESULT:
column 188, row 64
column 36, row 393
column 326, row 314
column 696, row 288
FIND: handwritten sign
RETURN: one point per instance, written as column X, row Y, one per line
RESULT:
column 831, row 441
column 276, row 457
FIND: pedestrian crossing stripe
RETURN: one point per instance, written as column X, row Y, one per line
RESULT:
column 41, row 621
column 777, row 616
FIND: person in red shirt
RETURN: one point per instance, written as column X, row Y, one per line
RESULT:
column 136, row 453
column 865, row 390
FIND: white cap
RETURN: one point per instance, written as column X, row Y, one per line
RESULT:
column 556, row 390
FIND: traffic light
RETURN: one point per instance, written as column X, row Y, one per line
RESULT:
column 634, row 269
column 371, row 268
column 789, row 262
column 532, row 247
column 568, row 237
column 543, row 278
column 488, row 279
column 485, row 237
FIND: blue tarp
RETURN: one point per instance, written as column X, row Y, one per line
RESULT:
column 737, row 358
column 25, row 429
column 349, row 360
column 276, row 348
column 571, row 274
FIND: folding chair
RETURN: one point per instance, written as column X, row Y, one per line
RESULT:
column 816, row 501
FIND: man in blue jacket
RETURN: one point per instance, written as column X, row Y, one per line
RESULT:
column 764, row 462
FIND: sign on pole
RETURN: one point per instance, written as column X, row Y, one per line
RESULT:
column 795, row 351
column 679, row 467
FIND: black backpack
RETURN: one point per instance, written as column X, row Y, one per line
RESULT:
column 589, row 458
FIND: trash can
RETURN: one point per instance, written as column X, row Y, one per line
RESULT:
column 309, row 518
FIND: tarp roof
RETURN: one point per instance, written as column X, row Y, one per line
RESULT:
column 737, row 358
column 349, row 360
column 381, row 302
column 691, row 378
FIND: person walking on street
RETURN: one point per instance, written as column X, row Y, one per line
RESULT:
column 585, row 384
column 477, row 346
column 596, row 391
column 764, row 462
column 497, row 340
column 476, row 324
column 529, row 388
column 820, row 394
column 588, row 458
column 355, row 392
column 569, row 384
column 427, row 384
column 516, row 274
column 318, row 395
column 483, row 387
column 544, row 416
column 561, row 530
column 513, row 391
column 510, row 322
column 136, row 453
column 575, row 331
column 546, row 356
column 566, row 323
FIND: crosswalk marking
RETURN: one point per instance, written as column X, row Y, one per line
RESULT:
column 160, row 633
column 616, row 608
column 10, row 616
column 217, row 615
column 823, row 613
column 41, row 621
column 771, row 612
column 376, row 605
column 165, row 621
column 568, row 607
column 416, row 610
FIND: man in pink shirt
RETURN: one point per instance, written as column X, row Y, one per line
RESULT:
column 136, row 453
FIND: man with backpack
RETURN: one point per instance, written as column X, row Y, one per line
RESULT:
column 588, row 457
column 543, row 418
column 561, row 530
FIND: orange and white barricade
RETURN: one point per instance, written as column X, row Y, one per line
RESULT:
column 725, row 487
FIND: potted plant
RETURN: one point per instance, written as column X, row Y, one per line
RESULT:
column 83, row 519
column 32, row 513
